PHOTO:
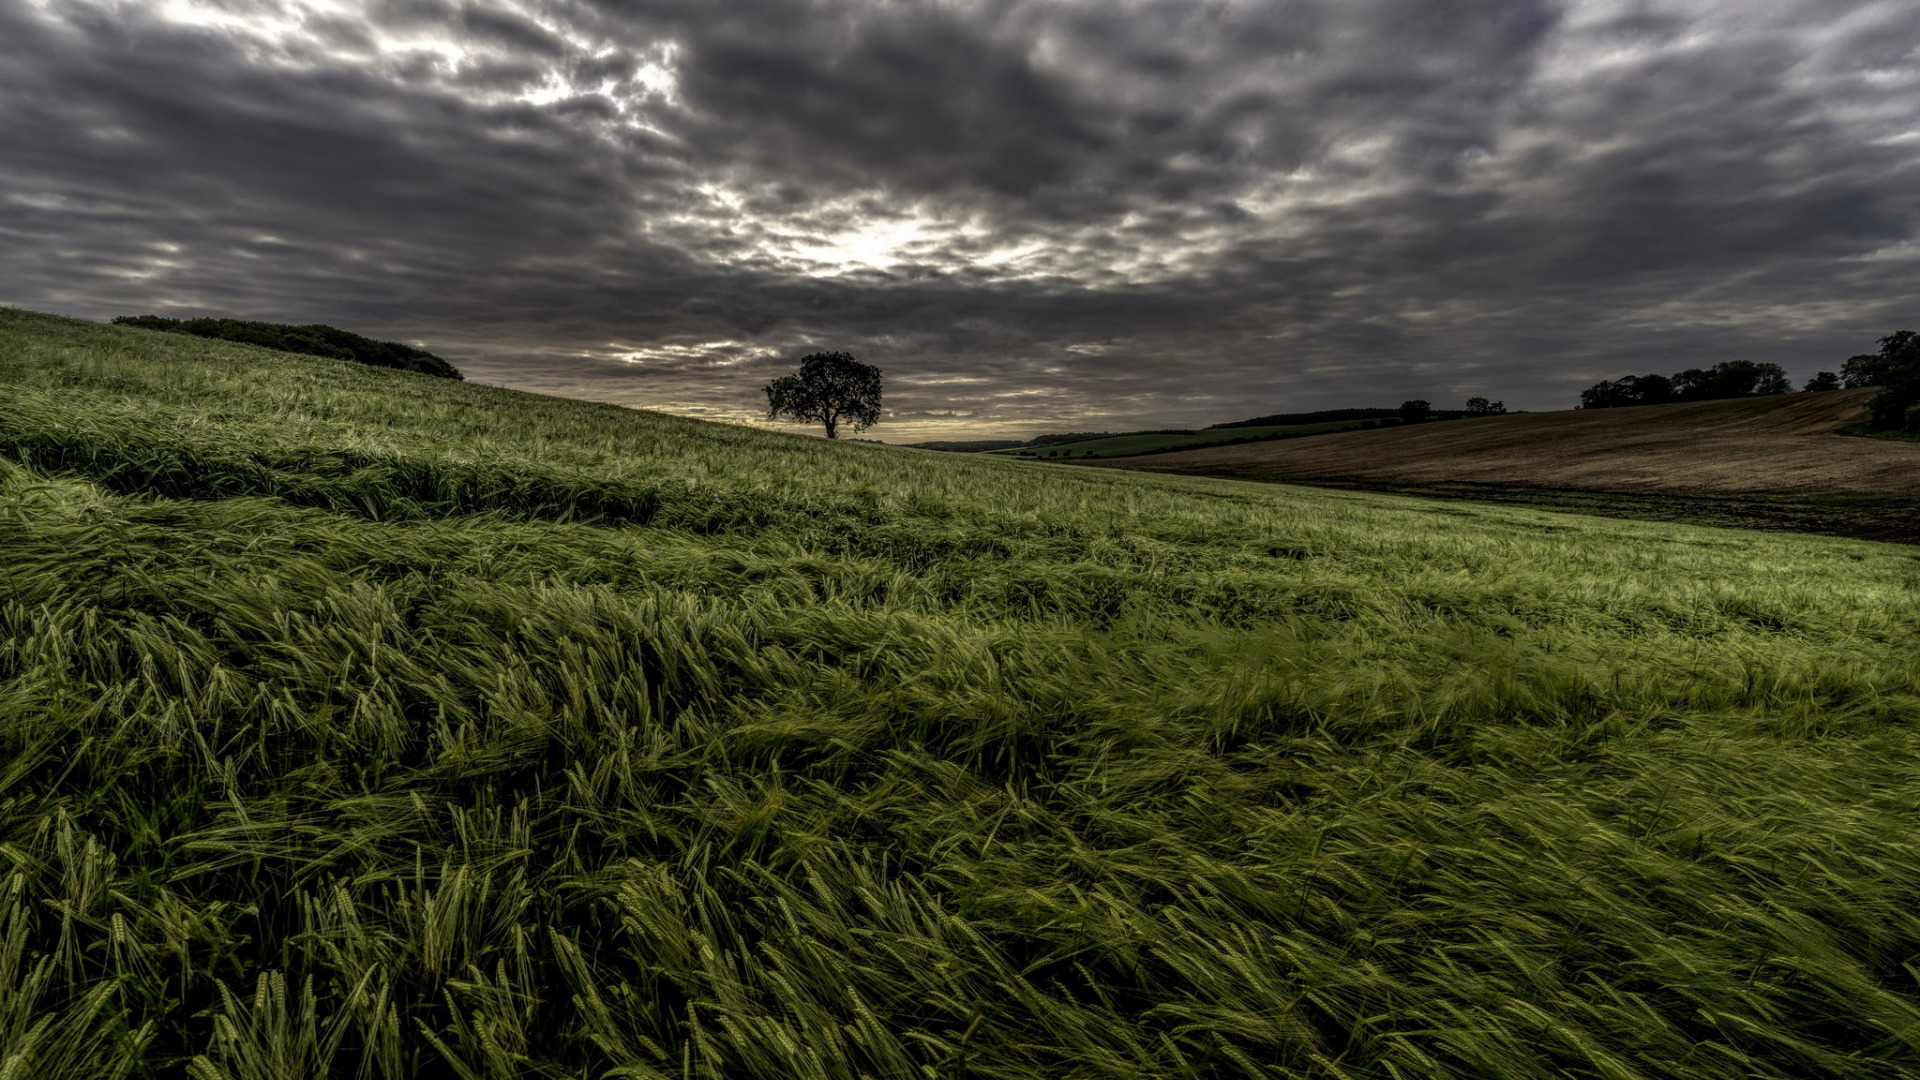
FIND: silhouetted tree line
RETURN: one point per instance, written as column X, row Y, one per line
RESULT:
column 1729, row 379
column 1895, row 369
column 312, row 340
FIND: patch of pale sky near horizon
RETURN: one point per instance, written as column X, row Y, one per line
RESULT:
column 1031, row 409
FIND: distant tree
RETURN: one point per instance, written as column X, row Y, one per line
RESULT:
column 1730, row 379
column 1631, row 390
column 1895, row 369
column 829, row 389
column 1872, row 369
column 1650, row 389
column 1695, row 384
column 1604, row 394
column 1822, row 382
column 1479, row 406
column 1773, row 380
column 1412, row 412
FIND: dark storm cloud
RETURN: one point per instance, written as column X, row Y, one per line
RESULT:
column 1033, row 215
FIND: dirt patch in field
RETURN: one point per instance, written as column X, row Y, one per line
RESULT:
column 1776, row 462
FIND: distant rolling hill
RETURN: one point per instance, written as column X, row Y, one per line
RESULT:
column 1760, row 461
column 1159, row 442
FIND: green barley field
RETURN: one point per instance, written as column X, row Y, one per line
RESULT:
column 356, row 724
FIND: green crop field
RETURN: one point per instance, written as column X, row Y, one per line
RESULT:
column 1129, row 445
column 358, row 724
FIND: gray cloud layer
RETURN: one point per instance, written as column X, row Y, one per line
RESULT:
column 1032, row 215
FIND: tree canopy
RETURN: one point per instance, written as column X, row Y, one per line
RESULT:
column 313, row 339
column 829, row 389
column 1629, row 390
column 1895, row 369
column 1728, row 379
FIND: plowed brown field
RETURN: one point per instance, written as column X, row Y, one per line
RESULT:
column 1768, row 452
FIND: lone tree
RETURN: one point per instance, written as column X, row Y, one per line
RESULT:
column 1479, row 406
column 829, row 388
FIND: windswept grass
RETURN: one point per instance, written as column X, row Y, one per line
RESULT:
column 356, row 724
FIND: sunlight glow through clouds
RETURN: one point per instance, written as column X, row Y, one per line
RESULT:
column 877, row 244
column 706, row 353
column 833, row 238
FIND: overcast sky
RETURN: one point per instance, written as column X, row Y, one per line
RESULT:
column 1035, row 216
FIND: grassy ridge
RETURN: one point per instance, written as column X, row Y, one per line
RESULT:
column 312, row 339
column 357, row 724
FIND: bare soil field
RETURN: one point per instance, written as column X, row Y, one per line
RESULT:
column 1775, row 462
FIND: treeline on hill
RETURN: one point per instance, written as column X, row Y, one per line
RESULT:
column 1729, row 379
column 1409, row 412
column 1895, row 369
column 314, row 339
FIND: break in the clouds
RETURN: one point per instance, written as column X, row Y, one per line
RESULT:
column 1033, row 215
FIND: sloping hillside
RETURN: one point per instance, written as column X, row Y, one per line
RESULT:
column 358, row 725
column 1774, row 451
column 1784, row 444
column 1161, row 442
